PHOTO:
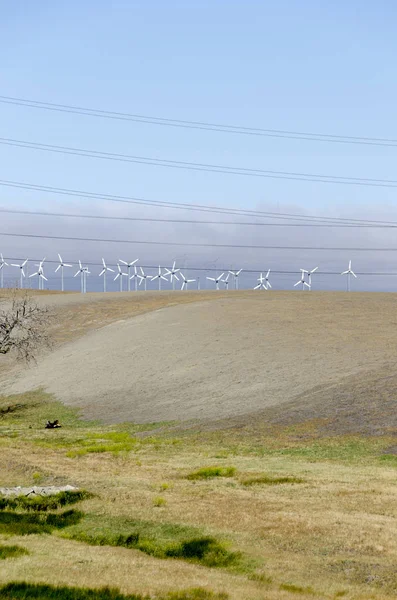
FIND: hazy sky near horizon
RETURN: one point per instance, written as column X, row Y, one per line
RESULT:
column 288, row 65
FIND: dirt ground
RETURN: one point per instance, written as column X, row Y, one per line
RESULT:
column 207, row 356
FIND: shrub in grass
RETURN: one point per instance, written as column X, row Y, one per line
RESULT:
column 211, row 472
column 12, row 523
column 205, row 550
column 31, row 591
column 268, row 480
column 159, row 501
column 12, row 552
column 43, row 503
column 296, row 589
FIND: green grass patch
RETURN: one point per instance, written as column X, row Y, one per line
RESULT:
column 296, row 589
column 12, row 552
column 13, row 523
column 32, row 591
column 162, row 540
column 43, row 503
column 211, row 472
column 268, row 480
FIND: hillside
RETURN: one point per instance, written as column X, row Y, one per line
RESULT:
column 285, row 357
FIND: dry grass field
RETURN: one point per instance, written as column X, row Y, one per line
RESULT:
column 235, row 445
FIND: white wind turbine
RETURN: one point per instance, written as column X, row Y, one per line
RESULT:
column 236, row 276
column 262, row 283
column 83, row 272
column 143, row 278
column 103, row 272
column 309, row 274
column 21, row 270
column 302, row 281
column 40, row 274
column 61, row 266
column 129, row 265
column 226, row 281
column 159, row 276
column 173, row 274
column 216, row 280
column 348, row 273
column 3, row 264
column 268, row 284
column 120, row 276
column 185, row 282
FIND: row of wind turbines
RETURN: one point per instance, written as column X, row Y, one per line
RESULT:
column 140, row 277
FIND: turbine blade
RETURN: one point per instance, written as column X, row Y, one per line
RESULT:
column 102, row 272
column 354, row 275
column 57, row 269
column 269, row 284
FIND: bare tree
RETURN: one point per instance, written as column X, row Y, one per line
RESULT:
column 23, row 327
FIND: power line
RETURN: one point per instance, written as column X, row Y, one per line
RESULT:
column 187, row 206
column 208, row 168
column 200, row 125
column 201, row 269
column 196, row 244
column 196, row 222
column 174, row 205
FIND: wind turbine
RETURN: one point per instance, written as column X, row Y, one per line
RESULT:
column 173, row 272
column 22, row 272
column 61, row 266
column 262, row 283
column 129, row 265
column 348, row 273
column 236, row 276
column 216, row 280
column 159, row 276
column 143, row 278
column 83, row 271
column 120, row 276
column 3, row 264
column 41, row 276
column 226, row 281
column 309, row 274
column 185, row 282
column 302, row 281
column 268, row 284
column 103, row 272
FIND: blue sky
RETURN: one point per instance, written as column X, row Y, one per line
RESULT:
column 306, row 66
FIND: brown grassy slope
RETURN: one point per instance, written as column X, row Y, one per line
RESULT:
column 281, row 357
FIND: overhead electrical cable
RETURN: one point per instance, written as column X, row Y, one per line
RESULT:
column 194, row 221
column 196, row 244
column 209, row 168
column 200, row 125
column 184, row 206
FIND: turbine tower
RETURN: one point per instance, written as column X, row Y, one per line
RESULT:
column 226, row 281
column 302, row 281
column 309, row 274
column 120, row 276
column 61, row 266
column 129, row 265
column 21, row 270
column 236, row 276
column 3, row 264
column 40, row 274
column 159, row 276
column 83, row 272
column 349, row 272
column 216, row 280
column 268, row 284
column 173, row 272
column 143, row 278
column 262, row 283
column 185, row 282
column 103, row 272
